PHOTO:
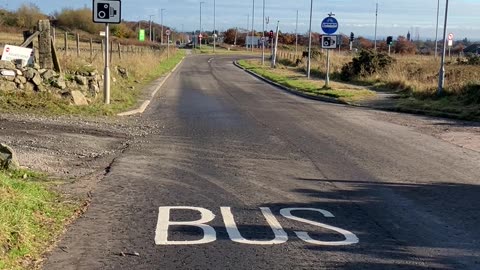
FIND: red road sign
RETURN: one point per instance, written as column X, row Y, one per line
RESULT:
column 167, row 32
column 200, row 36
column 450, row 36
column 7, row 49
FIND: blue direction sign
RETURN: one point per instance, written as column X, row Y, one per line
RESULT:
column 330, row 25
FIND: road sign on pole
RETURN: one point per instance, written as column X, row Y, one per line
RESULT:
column 329, row 42
column 450, row 36
column 329, row 25
column 168, row 32
column 107, row 11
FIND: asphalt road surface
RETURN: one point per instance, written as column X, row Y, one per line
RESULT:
column 242, row 175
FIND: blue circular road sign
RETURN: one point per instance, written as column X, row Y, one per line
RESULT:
column 330, row 25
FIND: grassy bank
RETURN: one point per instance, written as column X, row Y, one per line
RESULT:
column 125, row 92
column 290, row 77
column 414, row 78
column 31, row 217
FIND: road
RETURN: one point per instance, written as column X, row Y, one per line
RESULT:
column 241, row 175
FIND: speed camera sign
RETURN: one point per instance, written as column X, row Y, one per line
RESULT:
column 107, row 11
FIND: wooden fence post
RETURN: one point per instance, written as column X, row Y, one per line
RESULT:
column 45, row 45
column 78, row 44
column 119, row 51
column 66, row 43
column 91, row 50
column 111, row 51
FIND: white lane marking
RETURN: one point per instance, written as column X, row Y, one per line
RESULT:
column 209, row 233
column 161, row 233
column 350, row 238
column 234, row 234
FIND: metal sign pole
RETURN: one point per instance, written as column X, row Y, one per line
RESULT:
column 106, row 74
column 327, row 79
column 168, row 46
column 441, row 77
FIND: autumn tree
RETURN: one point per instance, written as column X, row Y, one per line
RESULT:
column 28, row 15
column 78, row 19
column 364, row 43
column 404, row 46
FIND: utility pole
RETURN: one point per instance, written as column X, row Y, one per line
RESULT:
column 214, row 28
column 441, row 79
column 253, row 22
column 150, row 32
column 200, row 41
column 275, row 46
column 376, row 24
column 296, row 36
column 161, row 14
column 248, row 34
column 236, row 34
column 436, row 32
column 263, row 35
column 309, row 63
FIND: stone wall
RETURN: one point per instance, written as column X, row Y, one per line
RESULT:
column 79, row 87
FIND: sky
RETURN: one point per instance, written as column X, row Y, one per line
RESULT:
column 395, row 17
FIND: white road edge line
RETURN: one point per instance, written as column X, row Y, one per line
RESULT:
column 145, row 104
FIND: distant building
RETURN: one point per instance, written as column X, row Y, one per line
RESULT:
column 409, row 36
column 474, row 48
column 255, row 41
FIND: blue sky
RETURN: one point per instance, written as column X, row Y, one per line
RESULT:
column 396, row 17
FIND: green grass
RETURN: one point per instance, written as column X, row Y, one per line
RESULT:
column 31, row 217
column 291, row 79
column 123, row 97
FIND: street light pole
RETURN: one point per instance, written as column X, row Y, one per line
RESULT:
column 253, row 22
column 161, row 14
column 200, row 41
column 150, row 32
column 436, row 32
column 309, row 63
column 441, row 79
column 248, row 34
column 263, row 35
column 296, row 36
column 214, row 28
column 376, row 23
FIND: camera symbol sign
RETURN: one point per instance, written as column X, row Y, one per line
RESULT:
column 107, row 11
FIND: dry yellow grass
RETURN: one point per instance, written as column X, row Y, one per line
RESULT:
column 416, row 73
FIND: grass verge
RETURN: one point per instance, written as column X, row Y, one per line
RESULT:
column 32, row 216
column 124, row 93
column 292, row 79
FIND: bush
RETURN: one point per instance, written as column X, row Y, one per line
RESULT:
column 70, row 19
column 472, row 59
column 366, row 63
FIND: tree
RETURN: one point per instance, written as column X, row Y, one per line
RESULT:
column 78, row 19
column 364, row 43
column 28, row 15
column 229, row 36
column 404, row 46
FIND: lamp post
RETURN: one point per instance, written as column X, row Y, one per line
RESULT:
column 309, row 63
column 200, row 41
column 214, row 27
column 161, row 14
column 263, row 35
column 150, row 32
column 441, row 79
column 376, row 24
column 436, row 32
column 296, row 36
column 253, row 22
